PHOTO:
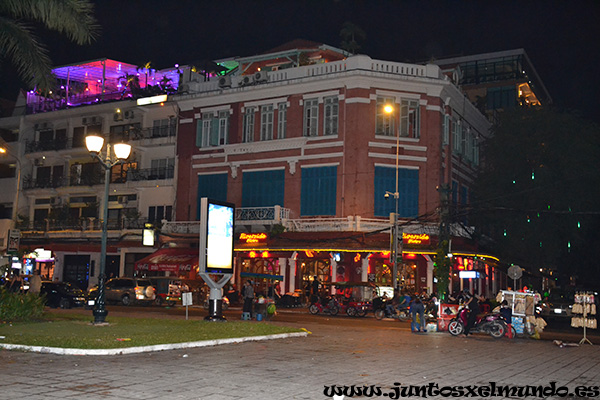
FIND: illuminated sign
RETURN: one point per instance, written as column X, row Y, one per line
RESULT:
column 152, row 100
column 468, row 274
column 253, row 237
column 415, row 238
column 216, row 236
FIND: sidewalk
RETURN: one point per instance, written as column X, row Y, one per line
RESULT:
column 300, row 368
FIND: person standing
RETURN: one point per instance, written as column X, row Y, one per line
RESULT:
column 248, row 295
column 473, row 304
column 35, row 284
column 417, row 308
column 315, row 290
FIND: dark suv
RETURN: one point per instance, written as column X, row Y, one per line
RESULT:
column 126, row 291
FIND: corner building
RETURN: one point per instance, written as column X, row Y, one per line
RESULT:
column 298, row 139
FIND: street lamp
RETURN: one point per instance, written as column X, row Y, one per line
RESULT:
column 397, row 235
column 94, row 144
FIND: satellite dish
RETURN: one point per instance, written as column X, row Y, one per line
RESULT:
column 515, row 272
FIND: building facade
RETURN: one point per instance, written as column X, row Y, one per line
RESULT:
column 308, row 148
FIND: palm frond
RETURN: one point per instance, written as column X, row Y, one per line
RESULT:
column 74, row 18
column 28, row 56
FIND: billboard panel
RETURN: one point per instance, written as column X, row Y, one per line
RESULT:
column 216, row 236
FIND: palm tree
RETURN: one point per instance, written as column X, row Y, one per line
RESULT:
column 20, row 45
column 352, row 37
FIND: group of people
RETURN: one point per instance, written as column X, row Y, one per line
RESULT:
column 16, row 283
column 415, row 304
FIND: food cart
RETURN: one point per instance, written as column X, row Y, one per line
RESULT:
column 264, row 303
column 523, row 309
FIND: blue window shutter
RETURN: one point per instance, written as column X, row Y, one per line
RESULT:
column 408, row 188
column 198, row 133
column 318, row 193
column 212, row 186
column 263, row 188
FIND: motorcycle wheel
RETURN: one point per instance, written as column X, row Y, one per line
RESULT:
column 379, row 314
column 403, row 316
column 361, row 312
column 313, row 309
column 334, row 310
column 455, row 328
column 351, row 311
column 497, row 330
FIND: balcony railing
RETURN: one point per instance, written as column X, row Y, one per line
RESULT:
column 36, row 146
column 150, row 174
column 81, row 224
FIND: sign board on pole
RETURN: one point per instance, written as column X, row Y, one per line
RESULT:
column 186, row 298
column 14, row 237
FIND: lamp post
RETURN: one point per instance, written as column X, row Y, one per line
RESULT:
column 94, row 144
column 397, row 235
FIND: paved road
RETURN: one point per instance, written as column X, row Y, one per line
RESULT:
column 300, row 368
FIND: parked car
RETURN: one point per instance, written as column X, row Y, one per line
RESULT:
column 558, row 305
column 125, row 291
column 167, row 290
column 62, row 294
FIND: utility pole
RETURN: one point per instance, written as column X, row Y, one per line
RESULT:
column 443, row 263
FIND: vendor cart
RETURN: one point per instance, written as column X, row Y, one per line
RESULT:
column 523, row 309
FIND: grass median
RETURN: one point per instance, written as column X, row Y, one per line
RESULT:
column 76, row 331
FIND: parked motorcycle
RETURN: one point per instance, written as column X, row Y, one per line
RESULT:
column 492, row 324
column 328, row 305
column 381, row 310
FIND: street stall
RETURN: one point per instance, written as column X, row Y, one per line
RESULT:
column 264, row 303
column 522, row 305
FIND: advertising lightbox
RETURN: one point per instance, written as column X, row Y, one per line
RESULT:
column 216, row 236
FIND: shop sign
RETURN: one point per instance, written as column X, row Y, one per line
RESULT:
column 253, row 237
column 415, row 238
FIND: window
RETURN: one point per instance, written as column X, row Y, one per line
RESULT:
column 384, row 124
column 318, row 194
column 445, row 129
column 263, row 188
column 409, row 118
column 213, row 186
column 223, row 127
column 311, row 117
column 162, row 168
column 408, row 188
column 7, row 171
column 212, row 130
column 281, row 120
column 331, row 112
column 158, row 213
column 79, row 136
column 266, row 122
column 164, row 127
column 456, row 129
column 501, row 97
column 119, row 133
column 249, row 125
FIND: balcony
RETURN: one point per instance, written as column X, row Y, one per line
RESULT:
column 150, row 174
column 79, row 225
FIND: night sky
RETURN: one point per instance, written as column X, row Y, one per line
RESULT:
column 560, row 37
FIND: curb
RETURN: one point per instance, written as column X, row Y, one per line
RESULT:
column 146, row 349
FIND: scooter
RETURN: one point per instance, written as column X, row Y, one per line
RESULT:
column 328, row 305
column 493, row 324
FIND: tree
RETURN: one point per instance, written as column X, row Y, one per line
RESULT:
column 352, row 37
column 537, row 194
column 20, row 45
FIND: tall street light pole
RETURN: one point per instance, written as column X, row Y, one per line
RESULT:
column 94, row 144
column 397, row 235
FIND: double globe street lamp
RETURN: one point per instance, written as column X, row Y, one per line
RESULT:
column 121, row 151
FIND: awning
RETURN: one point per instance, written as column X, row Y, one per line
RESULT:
column 170, row 259
column 261, row 276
